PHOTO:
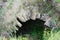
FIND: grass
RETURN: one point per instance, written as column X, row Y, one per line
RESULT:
column 54, row 35
column 57, row 1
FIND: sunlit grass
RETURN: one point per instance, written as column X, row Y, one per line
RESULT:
column 53, row 35
column 57, row 1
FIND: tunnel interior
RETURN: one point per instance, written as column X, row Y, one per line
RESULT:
column 31, row 26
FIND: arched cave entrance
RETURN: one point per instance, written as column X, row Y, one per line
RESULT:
column 31, row 27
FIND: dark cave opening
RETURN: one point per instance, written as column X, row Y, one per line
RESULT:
column 31, row 26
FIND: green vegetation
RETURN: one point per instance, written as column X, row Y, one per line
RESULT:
column 57, row 1
column 36, row 32
column 53, row 35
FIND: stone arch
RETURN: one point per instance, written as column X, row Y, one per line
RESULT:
column 46, row 20
column 14, row 11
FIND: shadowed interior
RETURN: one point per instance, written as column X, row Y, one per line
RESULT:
column 33, row 28
column 30, row 26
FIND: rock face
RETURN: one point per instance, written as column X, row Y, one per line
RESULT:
column 48, row 21
column 24, row 11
